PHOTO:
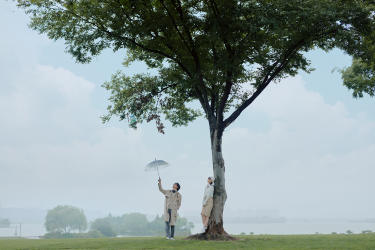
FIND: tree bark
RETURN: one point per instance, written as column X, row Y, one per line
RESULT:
column 215, row 229
column 215, row 224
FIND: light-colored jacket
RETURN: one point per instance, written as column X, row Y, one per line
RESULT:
column 208, row 193
column 173, row 202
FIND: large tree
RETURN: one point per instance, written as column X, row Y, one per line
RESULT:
column 64, row 219
column 221, row 54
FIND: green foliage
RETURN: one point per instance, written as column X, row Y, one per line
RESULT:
column 64, row 219
column 136, row 224
column 136, row 96
column 104, row 226
column 366, row 231
column 4, row 223
column 220, row 53
column 360, row 77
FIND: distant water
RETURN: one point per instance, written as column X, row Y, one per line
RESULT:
column 35, row 230
column 27, row 230
column 293, row 227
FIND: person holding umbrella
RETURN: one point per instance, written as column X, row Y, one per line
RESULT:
column 208, row 202
column 171, row 205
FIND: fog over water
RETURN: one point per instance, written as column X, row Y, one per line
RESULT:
column 304, row 151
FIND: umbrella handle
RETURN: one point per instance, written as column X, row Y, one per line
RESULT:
column 157, row 168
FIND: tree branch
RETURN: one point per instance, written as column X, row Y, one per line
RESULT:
column 201, row 92
column 200, row 88
column 101, row 28
column 229, row 73
column 175, row 26
column 216, row 14
column 266, row 81
column 282, row 63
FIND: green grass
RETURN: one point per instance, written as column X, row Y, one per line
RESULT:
column 297, row 242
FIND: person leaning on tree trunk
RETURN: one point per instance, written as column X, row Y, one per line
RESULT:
column 171, row 205
column 208, row 202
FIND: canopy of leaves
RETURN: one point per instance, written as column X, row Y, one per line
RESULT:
column 223, row 53
column 360, row 77
column 64, row 219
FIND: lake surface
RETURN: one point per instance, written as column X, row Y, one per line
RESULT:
column 293, row 227
column 27, row 230
column 35, row 230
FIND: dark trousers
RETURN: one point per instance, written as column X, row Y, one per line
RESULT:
column 169, row 230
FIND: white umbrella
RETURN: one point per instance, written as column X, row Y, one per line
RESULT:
column 156, row 165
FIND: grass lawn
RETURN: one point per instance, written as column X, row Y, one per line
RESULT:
column 300, row 242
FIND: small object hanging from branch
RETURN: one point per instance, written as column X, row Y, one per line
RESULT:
column 133, row 121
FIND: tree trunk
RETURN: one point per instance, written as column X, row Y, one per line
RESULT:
column 215, row 229
column 215, row 224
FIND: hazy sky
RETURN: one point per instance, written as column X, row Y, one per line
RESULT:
column 305, row 149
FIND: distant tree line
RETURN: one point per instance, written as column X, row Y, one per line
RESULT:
column 71, row 222
column 136, row 224
column 4, row 222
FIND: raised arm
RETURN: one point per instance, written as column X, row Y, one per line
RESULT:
column 160, row 187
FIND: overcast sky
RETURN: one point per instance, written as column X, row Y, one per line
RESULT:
column 304, row 149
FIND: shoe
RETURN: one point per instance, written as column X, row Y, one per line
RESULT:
column 172, row 238
column 167, row 238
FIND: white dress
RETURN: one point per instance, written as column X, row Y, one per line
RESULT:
column 208, row 201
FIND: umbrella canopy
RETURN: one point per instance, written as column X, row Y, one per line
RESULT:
column 156, row 165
